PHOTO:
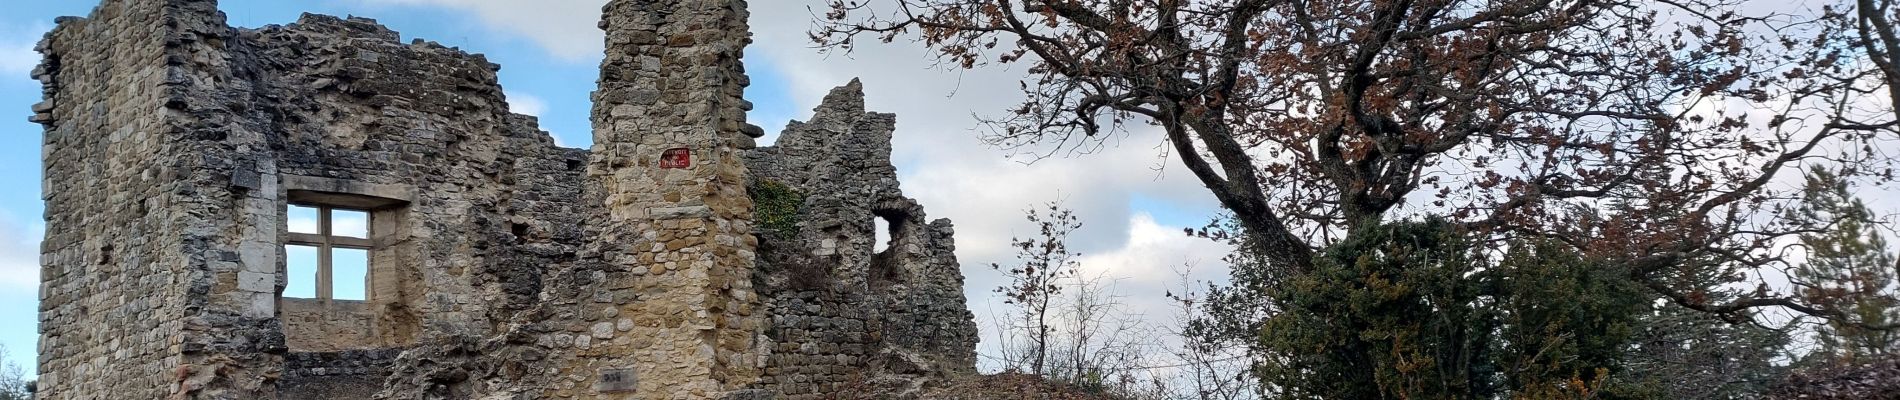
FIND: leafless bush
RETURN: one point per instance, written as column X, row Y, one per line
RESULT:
column 13, row 382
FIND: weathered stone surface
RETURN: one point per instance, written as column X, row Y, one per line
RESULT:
column 354, row 374
column 833, row 298
column 502, row 266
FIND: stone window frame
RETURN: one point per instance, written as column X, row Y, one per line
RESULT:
column 326, row 241
column 382, row 205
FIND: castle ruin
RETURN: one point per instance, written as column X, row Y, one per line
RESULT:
column 673, row 260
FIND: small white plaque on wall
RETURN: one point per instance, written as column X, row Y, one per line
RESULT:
column 616, row 380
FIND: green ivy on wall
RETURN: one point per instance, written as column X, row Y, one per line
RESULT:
column 775, row 208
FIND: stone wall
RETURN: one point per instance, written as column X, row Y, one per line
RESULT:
column 314, row 325
column 502, row 264
column 662, row 304
column 493, row 200
column 227, row 123
column 837, row 304
column 115, row 277
column 353, row 374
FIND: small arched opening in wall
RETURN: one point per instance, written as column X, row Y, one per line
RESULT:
column 888, row 224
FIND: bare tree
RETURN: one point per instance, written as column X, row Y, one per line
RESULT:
column 1035, row 285
column 1071, row 328
column 1646, row 131
column 1104, row 345
column 13, row 382
column 1209, row 368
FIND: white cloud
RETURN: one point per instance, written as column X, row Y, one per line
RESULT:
column 526, row 104
column 1152, row 264
column 531, row 105
column 1153, row 253
column 565, row 28
column 1156, row 260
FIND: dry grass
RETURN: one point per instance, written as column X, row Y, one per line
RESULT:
column 1008, row 386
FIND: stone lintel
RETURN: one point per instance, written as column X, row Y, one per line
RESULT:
column 346, row 193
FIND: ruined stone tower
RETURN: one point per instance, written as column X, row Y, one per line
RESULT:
column 666, row 168
column 494, row 264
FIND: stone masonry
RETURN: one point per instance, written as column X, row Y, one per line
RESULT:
column 675, row 259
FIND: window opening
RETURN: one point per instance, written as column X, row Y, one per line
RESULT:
column 300, row 262
column 350, row 223
column 327, row 253
column 303, row 219
column 882, row 236
column 889, row 227
column 350, row 268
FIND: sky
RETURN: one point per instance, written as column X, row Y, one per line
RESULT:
column 1133, row 203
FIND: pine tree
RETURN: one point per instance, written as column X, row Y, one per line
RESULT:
column 1414, row 310
column 1848, row 268
column 1387, row 314
column 1678, row 353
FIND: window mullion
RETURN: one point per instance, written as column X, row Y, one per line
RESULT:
column 369, row 262
column 324, row 284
